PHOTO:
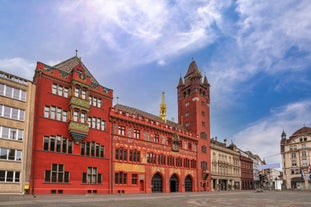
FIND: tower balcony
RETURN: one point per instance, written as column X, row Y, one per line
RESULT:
column 78, row 131
column 81, row 103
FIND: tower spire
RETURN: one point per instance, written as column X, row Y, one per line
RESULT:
column 163, row 108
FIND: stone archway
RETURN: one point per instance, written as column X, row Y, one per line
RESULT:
column 174, row 183
column 157, row 183
column 188, row 184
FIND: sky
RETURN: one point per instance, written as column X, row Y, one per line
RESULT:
column 256, row 55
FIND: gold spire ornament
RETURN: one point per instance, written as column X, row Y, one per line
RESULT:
column 163, row 108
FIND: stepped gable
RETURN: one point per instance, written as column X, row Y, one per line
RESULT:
column 68, row 65
column 138, row 112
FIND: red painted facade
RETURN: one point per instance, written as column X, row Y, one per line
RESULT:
column 83, row 145
column 71, row 142
column 247, row 177
column 194, row 113
column 153, row 155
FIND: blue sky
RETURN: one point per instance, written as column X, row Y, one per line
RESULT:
column 256, row 55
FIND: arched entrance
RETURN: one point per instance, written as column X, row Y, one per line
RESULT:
column 156, row 183
column 174, row 183
column 188, row 184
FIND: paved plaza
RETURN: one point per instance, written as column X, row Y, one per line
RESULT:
column 208, row 199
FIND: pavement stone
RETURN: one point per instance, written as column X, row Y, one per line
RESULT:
column 206, row 199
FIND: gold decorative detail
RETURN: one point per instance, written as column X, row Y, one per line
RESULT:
column 78, row 127
column 163, row 108
column 80, row 102
column 129, row 167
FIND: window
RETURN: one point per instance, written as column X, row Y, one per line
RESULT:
column 65, row 92
column 76, row 92
column 11, row 133
column 156, row 138
column 64, row 116
column 203, row 149
column 204, row 165
column 12, row 113
column 59, row 114
column 9, row 176
column 120, row 178
column 57, row 144
column 12, row 92
column 293, row 155
column 121, row 154
column 92, row 149
column 186, row 162
column 97, row 102
column 103, row 123
column 161, row 160
column 121, row 130
column 304, row 154
column 170, row 161
column 151, row 158
column 91, row 176
column 134, row 156
column 10, row 154
column 83, row 94
column 134, row 179
column 57, row 174
column 193, row 163
column 54, row 88
column 82, row 117
column 203, row 124
column 179, row 162
column 75, row 116
column 60, row 91
column 136, row 133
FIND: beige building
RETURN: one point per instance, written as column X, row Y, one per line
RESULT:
column 16, row 122
column 296, row 158
column 226, row 169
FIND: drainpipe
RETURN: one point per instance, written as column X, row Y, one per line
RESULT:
column 36, row 122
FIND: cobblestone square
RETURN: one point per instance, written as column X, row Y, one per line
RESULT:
column 207, row 199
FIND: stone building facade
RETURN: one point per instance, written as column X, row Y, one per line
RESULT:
column 296, row 151
column 16, row 121
column 226, row 169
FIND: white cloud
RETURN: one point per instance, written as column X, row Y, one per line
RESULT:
column 263, row 137
column 18, row 66
column 268, row 37
column 140, row 32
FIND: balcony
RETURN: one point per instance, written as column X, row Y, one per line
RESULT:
column 82, row 103
column 78, row 131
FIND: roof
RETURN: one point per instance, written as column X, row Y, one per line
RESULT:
column 303, row 130
column 68, row 65
column 193, row 69
column 150, row 116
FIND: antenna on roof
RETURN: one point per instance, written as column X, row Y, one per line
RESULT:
column 76, row 52
column 117, row 99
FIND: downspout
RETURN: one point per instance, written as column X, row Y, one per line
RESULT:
column 36, row 122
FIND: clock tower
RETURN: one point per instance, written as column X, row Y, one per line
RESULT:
column 194, row 113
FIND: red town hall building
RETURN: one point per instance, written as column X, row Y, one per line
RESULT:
column 82, row 144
